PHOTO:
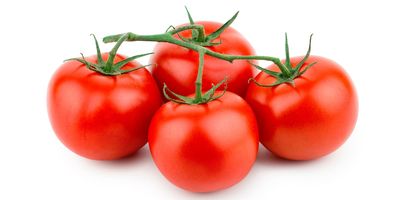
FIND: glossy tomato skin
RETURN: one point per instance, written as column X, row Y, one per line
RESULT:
column 101, row 117
column 308, row 120
column 207, row 147
column 177, row 66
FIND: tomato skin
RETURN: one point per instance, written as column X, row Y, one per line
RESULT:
column 101, row 117
column 206, row 147
column 177, row 66
column 309, row 120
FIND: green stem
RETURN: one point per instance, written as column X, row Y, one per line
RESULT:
column 167, row 37
column 199, row 28
column 287, row 73
column 199, row 78
column 113, row 53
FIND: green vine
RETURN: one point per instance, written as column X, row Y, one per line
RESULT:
column 199, row 42
column 286, row 75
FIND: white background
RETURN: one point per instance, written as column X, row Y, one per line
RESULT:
column 36, row 36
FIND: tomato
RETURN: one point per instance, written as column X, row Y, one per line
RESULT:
column 204, row 147
column 177, row 66
column 102, row 117
column 310, row 119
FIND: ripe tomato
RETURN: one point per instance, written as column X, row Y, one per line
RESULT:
column 177, row 66
column 310, row 119
column 204, row 147
column 102, row 117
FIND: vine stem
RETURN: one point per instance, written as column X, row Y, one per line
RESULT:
column 199, row 78
column 168, row 37
column 199, row 28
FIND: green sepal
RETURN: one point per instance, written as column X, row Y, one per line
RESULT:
column 181, row 99
column 306, row 68
column 109, row 68
column 297, row 68
column 287, row 63
column 195, row 33
column 98, row 51
column 124, row 71
column 278, row 82
column 267, row 71
column 293, row 72
column 121, row 63
column 91, row 66
column 221, row 29
column 209, row 95
column 223, row 91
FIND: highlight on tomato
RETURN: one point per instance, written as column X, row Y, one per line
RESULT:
column 100, row 107
column 306, row 107
column 204, row 142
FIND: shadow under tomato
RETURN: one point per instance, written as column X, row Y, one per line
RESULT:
column 219, row 194
column 267, row 158
column 141, row 156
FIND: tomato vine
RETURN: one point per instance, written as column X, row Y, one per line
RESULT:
column 199, row 43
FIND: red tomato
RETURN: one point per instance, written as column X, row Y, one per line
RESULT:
column 102, row 117
column 205, row 147
column 177, row 66
column 310, row 119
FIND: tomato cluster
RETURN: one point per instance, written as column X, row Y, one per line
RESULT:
column 202, row 137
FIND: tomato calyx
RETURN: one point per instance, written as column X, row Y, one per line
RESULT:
column 200, row 97
column 108, row 67
column 288, row 72
column 198, row 34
